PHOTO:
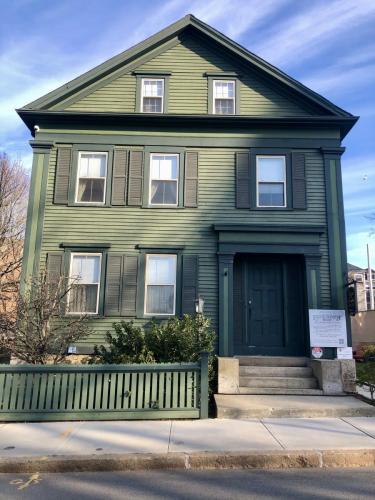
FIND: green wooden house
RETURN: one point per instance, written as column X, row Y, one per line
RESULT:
column 188, row 167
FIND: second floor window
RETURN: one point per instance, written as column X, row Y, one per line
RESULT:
column 164, row 179
column 152, row 95
column 271, row 181
column 224, row 97
column 91, row 177
column 83, row 296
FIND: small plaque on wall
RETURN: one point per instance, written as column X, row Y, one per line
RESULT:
column 327, row 328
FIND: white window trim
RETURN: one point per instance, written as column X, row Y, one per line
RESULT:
column 168, row 180
column 214, row 97
column 271, row 182
column 174, row 284
column 162, row 97
column 71, row 279
column 80, row 153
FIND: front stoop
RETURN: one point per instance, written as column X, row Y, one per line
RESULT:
column 284, row 406
column 272, row 386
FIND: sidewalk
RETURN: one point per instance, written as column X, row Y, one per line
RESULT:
column 269, row 442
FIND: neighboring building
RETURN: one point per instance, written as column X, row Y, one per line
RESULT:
column 362, row 286
column 187, row 166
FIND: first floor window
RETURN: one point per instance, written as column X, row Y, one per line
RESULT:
column 83, row 296
column 271, row 181
column 224, row 97
column 164, row 179
column 152, row 95
column 91, row 177
column 160, row 284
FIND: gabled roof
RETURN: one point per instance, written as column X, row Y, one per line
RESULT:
column 187, row 22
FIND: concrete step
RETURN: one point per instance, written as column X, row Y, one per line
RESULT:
column 275, row 371
column 280, row 391
column 278, row 382
column 247, row 406
column 272, row 361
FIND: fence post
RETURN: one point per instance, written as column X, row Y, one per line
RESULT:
column 204, row 385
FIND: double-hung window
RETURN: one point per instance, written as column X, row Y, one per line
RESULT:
column 91, row 177
column 83, row 295
column 164, row 179
column 271, row 181
column 160, row 286
column 224, row 97
column 152, row 95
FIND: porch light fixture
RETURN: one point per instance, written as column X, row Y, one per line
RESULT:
column 199, row 305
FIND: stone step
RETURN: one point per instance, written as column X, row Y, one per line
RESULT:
column 278, row 382
column 275, row 371
column 280, row 391
column 272, row 361
column 247, row 406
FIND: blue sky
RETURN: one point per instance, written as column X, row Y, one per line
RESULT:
column 329, row 45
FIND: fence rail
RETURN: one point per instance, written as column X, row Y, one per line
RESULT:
column 104, row 392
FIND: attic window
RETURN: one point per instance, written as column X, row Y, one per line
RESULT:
column 224, row 95
column 152, row 95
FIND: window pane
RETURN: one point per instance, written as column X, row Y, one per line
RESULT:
column 224, row 106
column 271, row 195
column 224, row 89
column 271, row 169
column 161, row 270
column 83, row 298
column 164, row 192
column 160, row 299
column 153, row 88
column 152, row 105
column 164, row 167
column 91, row 190
column 92, row 165
column 86, row 268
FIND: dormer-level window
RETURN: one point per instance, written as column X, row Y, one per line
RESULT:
column 224, row 97
column 152, row 95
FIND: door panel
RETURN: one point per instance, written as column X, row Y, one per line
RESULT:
column 269, row 315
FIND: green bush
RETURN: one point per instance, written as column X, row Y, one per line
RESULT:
column 366, row 372
column 368, row 351
column 176, row 340
column 126, row 345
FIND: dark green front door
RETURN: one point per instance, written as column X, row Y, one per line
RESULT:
column 269, row 314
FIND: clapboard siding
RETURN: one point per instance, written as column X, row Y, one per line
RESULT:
column 124, row 227
column 188, row 88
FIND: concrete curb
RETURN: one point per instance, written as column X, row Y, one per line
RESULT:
column 210, row 460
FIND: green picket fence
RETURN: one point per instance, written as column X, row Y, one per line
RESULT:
column 104, row 392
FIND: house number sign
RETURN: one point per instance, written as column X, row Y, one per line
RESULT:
column 327, row 328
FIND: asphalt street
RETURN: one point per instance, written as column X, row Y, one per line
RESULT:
column 289, row 484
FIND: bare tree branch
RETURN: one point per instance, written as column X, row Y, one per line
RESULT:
column 35, row 332
column 14, row 182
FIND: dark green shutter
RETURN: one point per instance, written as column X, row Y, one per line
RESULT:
column 121, row 285
column 55, row 266
column 191, row 179
column 112, row 304
column 299, row 181
column 119, row 177
column 243, row 199
column 55, row 272
column 190, row 270
column 135, row 190
column 129, row 285
column 64, row 159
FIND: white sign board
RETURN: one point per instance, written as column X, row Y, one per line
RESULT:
column 344, row 353
column 327, row 328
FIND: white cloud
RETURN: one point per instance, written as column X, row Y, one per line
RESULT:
column 308, row 32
